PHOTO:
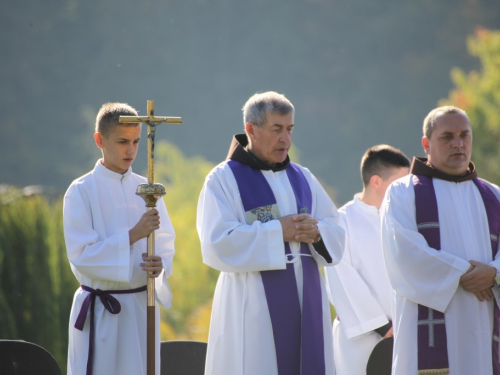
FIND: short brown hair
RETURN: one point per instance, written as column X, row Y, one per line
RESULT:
column 109, row 116
column 379, row 160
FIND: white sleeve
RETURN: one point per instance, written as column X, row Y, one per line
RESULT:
column 229, row 245
column 496, row 262
column 356, row 307
column 416, row 271
column 332, row 234
column 164, row 247
column 107, row 259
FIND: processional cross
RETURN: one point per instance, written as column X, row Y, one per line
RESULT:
column 151, row 192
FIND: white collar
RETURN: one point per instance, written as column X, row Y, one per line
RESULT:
column 102, row 170
column 367, row 208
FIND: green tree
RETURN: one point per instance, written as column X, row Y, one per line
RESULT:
column 478, row 93
column 36, row 283
column 192, row 281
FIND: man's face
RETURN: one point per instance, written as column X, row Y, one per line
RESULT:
column 450, row 145
column 273, row 139
column 119, row 148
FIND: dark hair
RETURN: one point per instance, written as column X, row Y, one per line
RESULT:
column 379, row 160
column 109, row 116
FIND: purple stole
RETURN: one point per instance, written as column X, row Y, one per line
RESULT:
column 298, row 337
column 432, row 340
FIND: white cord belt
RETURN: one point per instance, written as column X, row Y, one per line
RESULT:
column 292, row 258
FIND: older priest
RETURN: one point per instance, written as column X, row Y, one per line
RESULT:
column 440, row 228
column 268, row 225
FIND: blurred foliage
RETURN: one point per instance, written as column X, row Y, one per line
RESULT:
column 192, row 282
column 36, row 282
column 478, row 93
column 359, row 73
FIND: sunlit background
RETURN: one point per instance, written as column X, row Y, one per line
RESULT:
column 359, row 73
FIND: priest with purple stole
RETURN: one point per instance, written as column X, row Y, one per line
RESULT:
column 440, row 228
column 268, row 226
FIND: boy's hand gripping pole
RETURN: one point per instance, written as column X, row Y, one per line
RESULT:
column 151, row 192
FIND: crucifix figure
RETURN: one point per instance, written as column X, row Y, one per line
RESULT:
column 151, row 192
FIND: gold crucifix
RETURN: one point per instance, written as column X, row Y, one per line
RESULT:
column 151, row 192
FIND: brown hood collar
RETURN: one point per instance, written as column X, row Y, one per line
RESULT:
column 238, row 151
column 423, row 167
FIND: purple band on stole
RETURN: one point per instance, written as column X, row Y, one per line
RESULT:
column 492, row 206
column 109, row 302
column 432, row 344
column 431, row 330
column 298, row 338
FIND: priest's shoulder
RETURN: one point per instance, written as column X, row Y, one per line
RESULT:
column 495, row 188
column 403, row 185
column 304, row 169
column 404, row 182
column 490, row 184
column 221, row 170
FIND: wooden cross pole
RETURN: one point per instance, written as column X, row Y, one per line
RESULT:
column 151, row 192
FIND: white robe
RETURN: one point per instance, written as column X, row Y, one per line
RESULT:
column 421, row 275
column 241, row 339
column 359, row 289
column 99, row 210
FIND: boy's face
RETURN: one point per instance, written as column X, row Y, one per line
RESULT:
column 119, row 148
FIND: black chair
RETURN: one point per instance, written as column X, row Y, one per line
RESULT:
column 183, row 357
column 19, row 357
column 380, row 361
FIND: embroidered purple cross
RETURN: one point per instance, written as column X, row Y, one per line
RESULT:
column 430, row 321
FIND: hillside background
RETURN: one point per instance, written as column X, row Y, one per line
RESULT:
column 359, row 73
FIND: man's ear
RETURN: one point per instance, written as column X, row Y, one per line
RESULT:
column 426, row 145
column 375, row 181
column 249, row 128
column 98, row 140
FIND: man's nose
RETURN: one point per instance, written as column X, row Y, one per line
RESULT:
column 457, row 142
column 286, row 137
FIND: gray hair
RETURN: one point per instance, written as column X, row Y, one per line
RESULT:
column 430, row 119
column 255, row 109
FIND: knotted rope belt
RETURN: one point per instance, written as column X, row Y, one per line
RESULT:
column 109, row 302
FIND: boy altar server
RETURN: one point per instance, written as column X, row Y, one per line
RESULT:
column 105, row 228
column 359, row 286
